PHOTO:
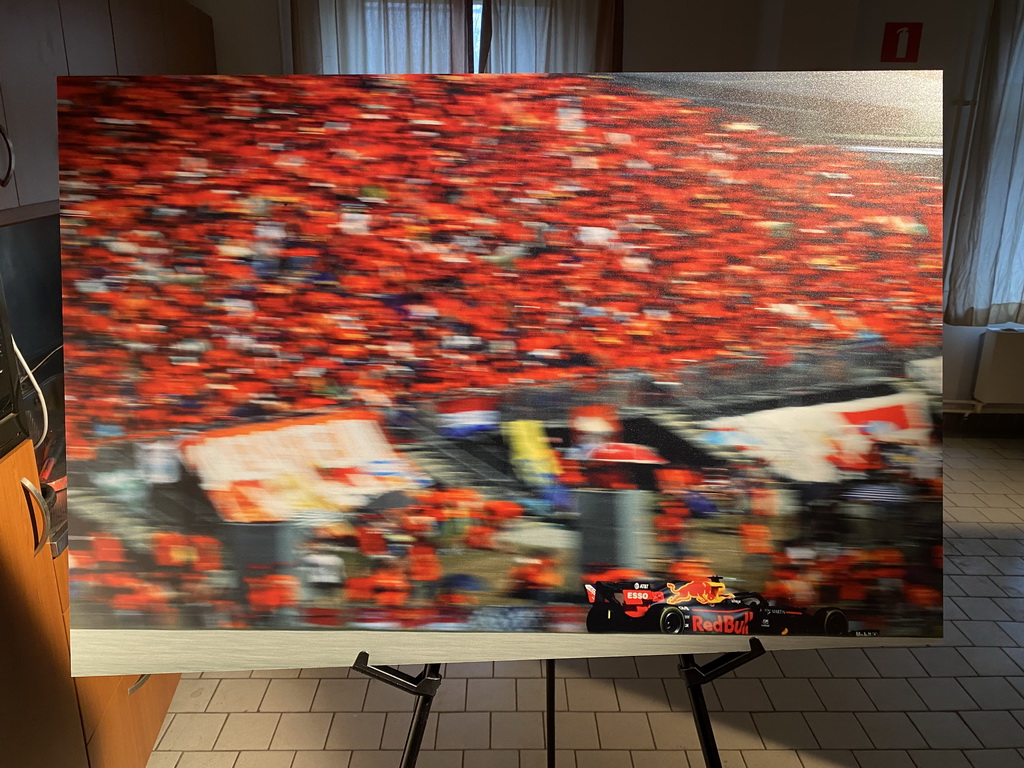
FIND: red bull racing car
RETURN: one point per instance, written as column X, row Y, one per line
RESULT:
column 698, row 607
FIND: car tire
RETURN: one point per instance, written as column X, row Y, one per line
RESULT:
column 669, row 620
column 598, row 621
column 832, row 622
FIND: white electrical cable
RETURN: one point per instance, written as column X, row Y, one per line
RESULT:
column 39, row 393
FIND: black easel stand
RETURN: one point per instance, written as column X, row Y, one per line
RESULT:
column 696, row 676
column 549, row 681
column 423, row 687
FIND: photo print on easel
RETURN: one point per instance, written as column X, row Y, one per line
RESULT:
column 541, row 354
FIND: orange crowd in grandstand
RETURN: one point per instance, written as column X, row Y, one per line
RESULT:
column 237, row 247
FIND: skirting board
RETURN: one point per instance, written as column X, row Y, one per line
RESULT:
column 153, row 651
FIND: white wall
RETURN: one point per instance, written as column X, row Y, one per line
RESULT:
column 961, row 348
column 251, row 36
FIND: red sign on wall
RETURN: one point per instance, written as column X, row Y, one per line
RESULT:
column 901, row 41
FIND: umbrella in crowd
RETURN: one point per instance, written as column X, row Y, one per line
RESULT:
column 878, row 494
column 624, row 453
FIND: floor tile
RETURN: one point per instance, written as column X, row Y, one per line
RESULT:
column 679, row 697
column 192, row 695
column 792, row 695
column 591, row 695
column 844, row 695
column 980, row 609
column 490, row 695
column 207, row 759
column 578, row 730
column 939, row 758
column 517, row 730
column 516, row 669
column 301, row 730
column 995, row 758
column 532, row 696
column 274, row 673
column 463, row 730
column 992, row 693
column 641, row 695
column 943, row 662
column 944, row 730
column 396, row 730
column 439, row 759
column 657, row 666
column 848, row 662
column 828, row 758
column 624, row 730
column 192, row 732
column 995, row 729
column 761, row 667
column 802, row 663
column 238, row 696
column 328, row 672
column 618, row 666
column 660, row 759
column 343, row 695
column 289, row 696
column 604, row 759
column 572, row 668
column 247, row 731
column 736, row 730
column 892, row 695
column 837, row 730
column 742, row 695
column 324, row 758
column 537, row 758
column 784, row 730
column 470, row 669
column 943, row 694
column 895, row 662
column 772, row 759
column 163, row 759
column 376, row 759
column 381, row 697
column 881, row 758
column 356, row 731
column 490, row 758
column 673, row 730
column 274, row 760
column 730, row 758
column 451, row 695
column 891, row 730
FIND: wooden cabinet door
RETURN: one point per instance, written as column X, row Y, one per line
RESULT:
column 39, row 722
column 127, row 731
column 31, row 58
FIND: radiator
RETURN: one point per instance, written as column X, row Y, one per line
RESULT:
column 1001, row 368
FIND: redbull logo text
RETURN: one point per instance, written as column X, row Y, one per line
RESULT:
column 703, row 592
column 723, row 623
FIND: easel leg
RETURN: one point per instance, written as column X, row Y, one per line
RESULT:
column 423, row 687
column 418, row 726
column 696, row 676
column 549, row 680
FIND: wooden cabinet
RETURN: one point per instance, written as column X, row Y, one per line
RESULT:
column 45, row 39
column 48, row 719
column 40, row 725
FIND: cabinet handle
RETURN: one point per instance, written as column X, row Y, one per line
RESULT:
column 143, row 679
column 10, row 157
column 31, row 492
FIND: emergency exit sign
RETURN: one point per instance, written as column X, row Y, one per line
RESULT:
column 901, row 41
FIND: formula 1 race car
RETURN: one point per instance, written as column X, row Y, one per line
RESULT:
column 698, row 607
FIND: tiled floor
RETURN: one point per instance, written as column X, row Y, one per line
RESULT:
column 960, row 705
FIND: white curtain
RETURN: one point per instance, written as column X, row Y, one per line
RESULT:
column 378, row 37
column 985, row 248
column 547, row 36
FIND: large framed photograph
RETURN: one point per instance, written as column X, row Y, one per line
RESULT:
column 492, row 367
